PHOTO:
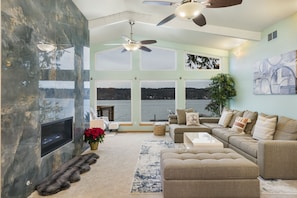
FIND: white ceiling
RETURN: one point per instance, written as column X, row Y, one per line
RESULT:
column 226, row 27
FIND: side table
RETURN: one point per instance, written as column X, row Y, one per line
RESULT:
column 159, row 128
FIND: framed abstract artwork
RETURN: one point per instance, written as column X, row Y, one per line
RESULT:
column 276, row 75
column 199, row 62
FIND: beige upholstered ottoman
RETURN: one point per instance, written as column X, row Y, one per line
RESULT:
column 208, row 173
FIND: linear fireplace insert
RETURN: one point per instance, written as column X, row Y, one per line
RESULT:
column 55, row 134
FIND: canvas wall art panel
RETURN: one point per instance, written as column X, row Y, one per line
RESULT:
column 199, row 62
column 276, row 75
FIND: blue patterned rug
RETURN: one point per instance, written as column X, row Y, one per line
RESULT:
column 147, row 178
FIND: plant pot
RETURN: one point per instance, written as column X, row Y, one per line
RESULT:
column 94, row 145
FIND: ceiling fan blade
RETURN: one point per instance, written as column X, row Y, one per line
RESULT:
column 113, row 44
column 163, row 3
column 123, row 50
column 169, row 18
column 200, row 20
column 145, row 42
column 222, row 3
column 145, row 49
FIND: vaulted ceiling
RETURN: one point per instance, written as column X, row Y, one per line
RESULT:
column 226, row 27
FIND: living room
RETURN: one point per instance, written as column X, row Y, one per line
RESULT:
column 24, row 24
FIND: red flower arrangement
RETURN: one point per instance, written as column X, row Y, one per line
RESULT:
column 94, row 135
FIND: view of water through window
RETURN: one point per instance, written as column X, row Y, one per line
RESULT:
column 157, row 98
column 197, row 96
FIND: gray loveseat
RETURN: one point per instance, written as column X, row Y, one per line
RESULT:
column 275, row 151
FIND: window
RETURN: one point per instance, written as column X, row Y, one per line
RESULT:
column 199, row 62
column 158, row 59
column 105, row 60
column 117, row 95
column 157, row 100
column 196, row 96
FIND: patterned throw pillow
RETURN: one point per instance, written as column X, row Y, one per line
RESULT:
column 240, row 124
column 236, row 113
column 192, row 119
column 225, row 118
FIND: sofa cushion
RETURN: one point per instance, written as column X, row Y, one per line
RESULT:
column 240, row 124
column 192, row 119
column 252, row 115
column 236, row 114
column 181, row 115
column 225, row 118
column 265, row 127
column 245, row 143
column 224, row 133
column 286, row 129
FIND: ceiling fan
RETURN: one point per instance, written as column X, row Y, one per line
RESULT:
column 133, row 45
column 191, row 9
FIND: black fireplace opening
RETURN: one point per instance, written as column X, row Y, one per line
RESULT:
column 56, row 134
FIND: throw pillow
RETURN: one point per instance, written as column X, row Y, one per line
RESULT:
column 240, row 124
column 286, row 129
column 253, row 117
column 225, row 118
column 265, row 127
column 236, row 114
column 192, row 118
column 181, row 115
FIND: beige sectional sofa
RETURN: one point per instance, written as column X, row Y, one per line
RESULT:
column 270, row 141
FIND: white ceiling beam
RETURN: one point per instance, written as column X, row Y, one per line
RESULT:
column 175, row 24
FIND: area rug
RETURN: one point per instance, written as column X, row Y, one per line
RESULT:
column 147, row 178
column 278, row 187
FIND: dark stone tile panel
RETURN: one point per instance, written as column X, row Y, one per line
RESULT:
column 24, row 105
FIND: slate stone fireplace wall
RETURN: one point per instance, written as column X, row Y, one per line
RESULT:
column 39, row 87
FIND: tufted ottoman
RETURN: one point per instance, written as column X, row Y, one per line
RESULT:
column 206, row 173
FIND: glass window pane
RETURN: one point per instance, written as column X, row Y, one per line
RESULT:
column 115, row 94
column 105, row 60
column 196, row 96
column 158, row 59
column 157, row 100
column 199, row 62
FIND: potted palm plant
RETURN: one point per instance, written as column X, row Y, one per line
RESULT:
column 220, row 90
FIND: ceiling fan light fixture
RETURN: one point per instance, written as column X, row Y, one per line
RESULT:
column 132, row 46
column 189, row 10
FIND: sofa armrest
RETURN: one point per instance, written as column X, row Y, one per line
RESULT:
column 209, row 119
column 172, row 119
column 277, row 159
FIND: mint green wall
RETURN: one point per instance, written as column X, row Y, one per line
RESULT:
column 180, row 75
column 241, row 68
